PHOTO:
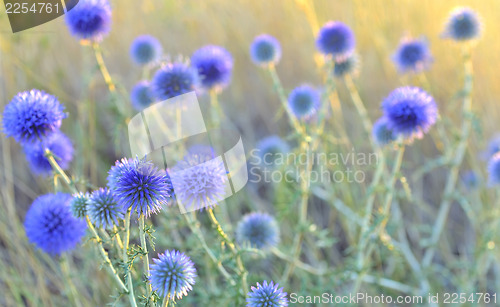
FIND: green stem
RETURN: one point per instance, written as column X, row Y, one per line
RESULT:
column 385, row 214
column 128, row 274
column 196, row 230
column 447, row 201
column 72, row 292
column 234, row 250
column 102, row 251
column 144, row 247
column 284, row 102
column 103, row 68
column 305, row 186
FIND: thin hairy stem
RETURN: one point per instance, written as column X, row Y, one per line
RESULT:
column 447, row 201
column 232, row 247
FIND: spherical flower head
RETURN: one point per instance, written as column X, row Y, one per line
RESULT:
column 145, row 49
column 138, row 185
column 51, row 226
column 172, row 80
column 336, row 39
column 493, row 146
column 412, row 55
column 78, row 204
column 58, row 143
column 348, row 65
column 463, row 24
column 172, row 274
column 141, row 96
column 270, row 149
column 31, row 116
column 89, row 19
column 259, row 230
column 494, row 169
column 410, row 112
column 267, row 295
column 103, row 210
column 470, row 179
column 381, row 134
column 265, row 50
column 214, row 66
column 199, row 180
column 304, row 101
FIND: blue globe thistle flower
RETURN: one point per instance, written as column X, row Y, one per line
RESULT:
column 141, row 96
column 139, row 185
column 336, row 39
column 270, row 149
column 470, row 179
column 304, row 101
column 410, row 111
column 58, row 143
column 493, row 146
column 259, row 230
column 32, row 115
column 381, row 134
column 172, row 274
column 78, row 204
column 494, row 169
column 265, row 50
column 145, row 49
column 199, row 180
column 103, row 210
column 412, row 55
column 51, row 226
column 348, row 65
column 172, row 80
column 214, row 65
column 89, row 19
column 267, row 295
column 463, row 24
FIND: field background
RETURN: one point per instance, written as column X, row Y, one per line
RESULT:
column 48, row 58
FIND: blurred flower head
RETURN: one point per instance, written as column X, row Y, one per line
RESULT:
column 31, row 116
column 304, row 101
column 336, row 39
column 259, row 230
column 172, row 274
column 410, row 112
column 138, row 185
column 78, row 204
column 270, row 148
column 58, row 143
column 141, row 96
column 214, row 66
column 51, row 226
column 89, row 19
column 348, row 65
column 470, row 179
column 265, row 49
column 172, row 80
column 145, row 49
column 494, row 169
column 265, row 295
column 381, row 134
column 199, row 180
column 493, row 146
column 463, row 24
column 103, row 210
column 412, row 55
